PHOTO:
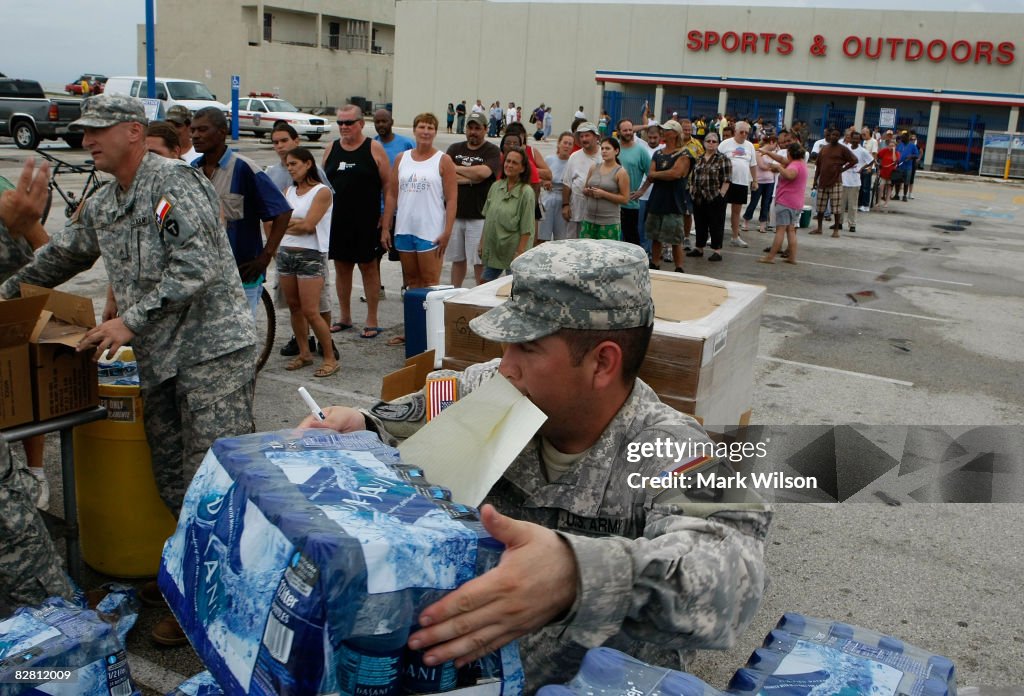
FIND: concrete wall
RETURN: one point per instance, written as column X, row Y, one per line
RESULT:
column 210, row 41
column 449, row 50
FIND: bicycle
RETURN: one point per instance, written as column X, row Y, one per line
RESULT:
column 266, row 327
column 70, row 198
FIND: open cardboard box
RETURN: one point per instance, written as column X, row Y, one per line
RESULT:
column 17, row 321
column 63, row 380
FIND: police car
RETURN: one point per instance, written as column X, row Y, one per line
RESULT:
column 258, row 114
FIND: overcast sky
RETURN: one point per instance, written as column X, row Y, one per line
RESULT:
column 57, row 40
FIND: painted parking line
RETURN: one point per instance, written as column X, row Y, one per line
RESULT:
column 836, row 370
column 153, row 676
column 867, row 270
column 986, row 214
column 863, row 309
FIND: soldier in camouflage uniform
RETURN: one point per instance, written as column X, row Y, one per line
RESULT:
column 30, row 570
column 176, row 286
column 592, row 561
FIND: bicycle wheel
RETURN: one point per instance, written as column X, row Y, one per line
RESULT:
column 46, row 210
column 266, row 328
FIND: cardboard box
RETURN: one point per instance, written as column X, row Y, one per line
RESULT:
column 701, row 357
column 64, row 381
column 17, row 321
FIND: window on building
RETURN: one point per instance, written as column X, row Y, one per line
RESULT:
column 268, row 21
column 334, row 35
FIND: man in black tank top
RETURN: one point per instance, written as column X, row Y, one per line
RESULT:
column 357, row 168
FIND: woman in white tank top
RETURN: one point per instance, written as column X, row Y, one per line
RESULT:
column 300, row 258
column 424, row 189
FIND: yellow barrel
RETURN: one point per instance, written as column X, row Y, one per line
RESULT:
column 122, row 519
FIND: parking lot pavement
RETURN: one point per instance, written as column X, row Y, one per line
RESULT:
column 914, row 319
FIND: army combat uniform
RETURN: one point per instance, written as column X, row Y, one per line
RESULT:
column 30, row 570
column 660, row 575
column 178, row 291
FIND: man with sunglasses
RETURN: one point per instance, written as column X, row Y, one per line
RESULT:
column 357, row 168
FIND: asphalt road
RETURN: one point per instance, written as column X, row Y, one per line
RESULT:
column 915, row 319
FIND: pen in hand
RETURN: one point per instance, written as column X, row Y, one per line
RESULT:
column 313, row 407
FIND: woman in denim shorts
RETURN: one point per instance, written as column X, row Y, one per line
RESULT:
column 300, row 258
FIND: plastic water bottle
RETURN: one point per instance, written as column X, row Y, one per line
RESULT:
column 555, row 690
column 680, row 684
column 602, row 672
column 420, row 678
column 814, row 193
column 372, row 665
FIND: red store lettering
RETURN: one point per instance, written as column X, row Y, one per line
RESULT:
column 871, row 47
column 745, row 42
column 937, row 50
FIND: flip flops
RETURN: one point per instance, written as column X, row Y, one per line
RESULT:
column 339, row 326
column 396, row 341
column 371, row 332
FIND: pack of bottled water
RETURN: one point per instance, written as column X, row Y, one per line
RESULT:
column 804, row 655
column 62, row 649
column 202, row 684
column 608, row 672
column 302, row 559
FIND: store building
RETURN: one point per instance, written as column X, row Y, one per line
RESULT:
column 948, row 75
column 315, row 53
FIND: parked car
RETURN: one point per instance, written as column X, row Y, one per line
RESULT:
column 96, row 84
column 170, row 91
column 258, row 114
column 27, row 115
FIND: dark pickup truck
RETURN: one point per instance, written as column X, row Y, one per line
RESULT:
column 27, row 115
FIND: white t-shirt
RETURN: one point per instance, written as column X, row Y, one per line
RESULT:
column 510, row 115
column 300, row 207
column 871, row 146
column 575, row 177
column 478, row 108
column 851, row 177
column 579, row 114
column 743, row 157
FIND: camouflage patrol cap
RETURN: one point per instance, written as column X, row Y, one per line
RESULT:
column 107, row 110
column 590, row 284
column 179, row 114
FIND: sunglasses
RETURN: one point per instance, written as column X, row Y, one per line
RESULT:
column 348, row 123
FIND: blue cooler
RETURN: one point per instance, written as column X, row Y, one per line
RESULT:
column 416, row 318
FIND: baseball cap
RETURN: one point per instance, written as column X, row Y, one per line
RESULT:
column 587, row 127
column 179, row 114
column 477, row 118
column 599, row 285
column 107, row 110
column 673, row 126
